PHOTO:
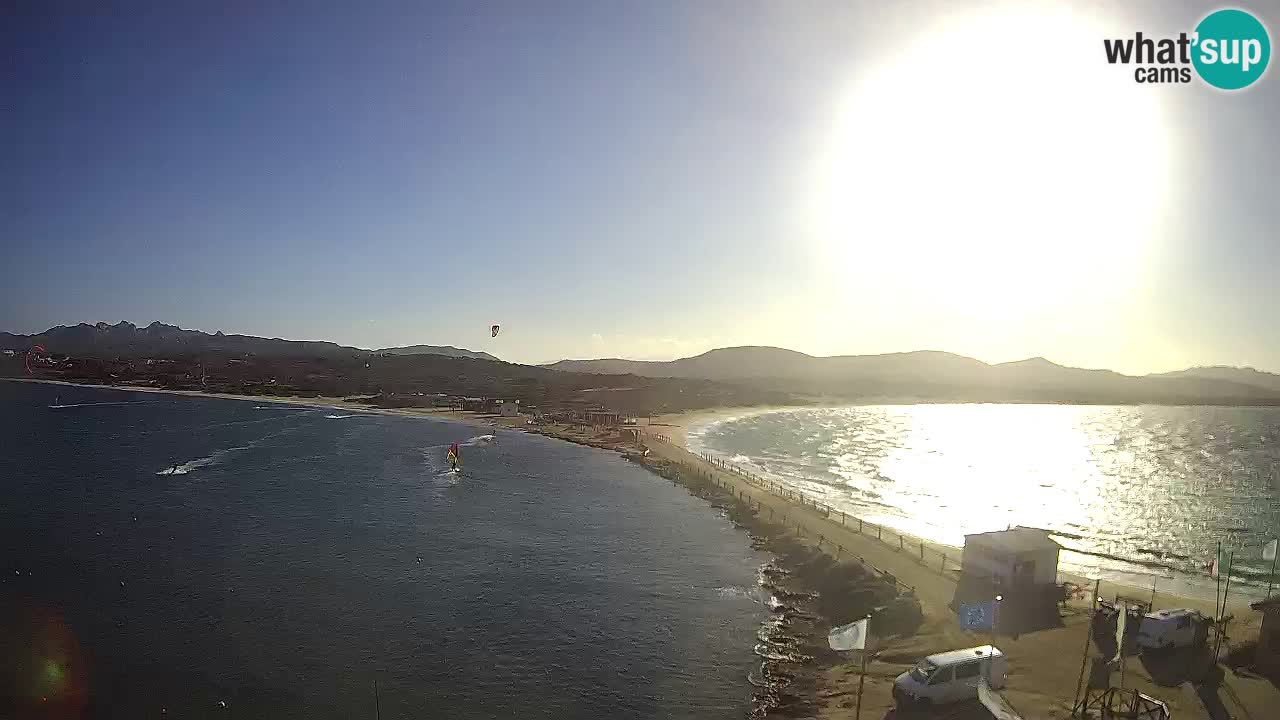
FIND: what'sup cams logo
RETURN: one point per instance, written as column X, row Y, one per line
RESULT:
column 1229, row 50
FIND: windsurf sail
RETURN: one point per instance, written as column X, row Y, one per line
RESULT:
column 453, row 456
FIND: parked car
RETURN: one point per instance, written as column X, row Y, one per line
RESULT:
column 951, row 676
column 1174, row 628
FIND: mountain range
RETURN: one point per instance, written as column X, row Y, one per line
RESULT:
column 925, row 376
column 124, row 339
column 934, row 375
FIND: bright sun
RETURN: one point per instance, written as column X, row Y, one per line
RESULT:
column 994, row 165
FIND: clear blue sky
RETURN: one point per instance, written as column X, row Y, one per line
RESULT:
column 640, row 179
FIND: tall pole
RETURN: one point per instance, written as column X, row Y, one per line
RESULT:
column 1084, row 658
column 1217, row 577
column 995, row 614
column 862, row 677
column 1222, row 626
column 862, row 674
column 377, row 704
column 1271, row 579
column 1154, row 579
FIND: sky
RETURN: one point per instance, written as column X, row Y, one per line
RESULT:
column 641, row 179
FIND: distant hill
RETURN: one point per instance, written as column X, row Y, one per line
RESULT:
column 446, row 350
column 124, row 339
column 165, row 356
column 942, row 376
column 1247, row 376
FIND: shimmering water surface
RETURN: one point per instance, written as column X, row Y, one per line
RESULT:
column 174, row 552
column 1155, row 487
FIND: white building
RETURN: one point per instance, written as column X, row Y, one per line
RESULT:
column 509, row 408
column 1018, row 557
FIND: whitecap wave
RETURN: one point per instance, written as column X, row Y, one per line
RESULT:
column 339, row 417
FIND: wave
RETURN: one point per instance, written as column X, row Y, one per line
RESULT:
column 480, row 440
column 339, row 417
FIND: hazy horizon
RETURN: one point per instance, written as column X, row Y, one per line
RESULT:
column 643, row 181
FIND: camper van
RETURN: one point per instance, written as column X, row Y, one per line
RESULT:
column 951, row 676
column 1171, row 629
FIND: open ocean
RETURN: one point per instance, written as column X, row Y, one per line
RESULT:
column 1153, row 488
column 177, row 552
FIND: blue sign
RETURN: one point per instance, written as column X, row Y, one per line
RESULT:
column 978, row 616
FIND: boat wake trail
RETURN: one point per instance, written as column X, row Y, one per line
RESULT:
column 193, row 465
column 97, row 404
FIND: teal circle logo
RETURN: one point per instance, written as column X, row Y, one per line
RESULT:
column 1232, row 49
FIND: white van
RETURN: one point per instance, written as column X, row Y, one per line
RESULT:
column 1170, row 629
column 952, row 676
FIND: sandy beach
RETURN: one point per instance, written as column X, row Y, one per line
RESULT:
column 607, row 440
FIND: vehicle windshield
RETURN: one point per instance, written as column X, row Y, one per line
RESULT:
column 923, row 671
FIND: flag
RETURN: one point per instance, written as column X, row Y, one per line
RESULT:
column 1122, row 616
column 977, row 616
column 850, row 637
column 1269, row 550
column 995, row 703
column 1219, row 561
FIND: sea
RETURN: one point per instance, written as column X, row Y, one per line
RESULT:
column 169, row 556
column 1139, row 494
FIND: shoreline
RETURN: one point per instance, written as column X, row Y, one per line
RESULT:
column 1125, row 582
column 566, row 433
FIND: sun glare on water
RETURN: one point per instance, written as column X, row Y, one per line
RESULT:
column 992, row 166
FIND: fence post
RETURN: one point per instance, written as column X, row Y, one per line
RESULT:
column 878, row 529
column 922, row 550
column 944, row 563
column 859, row 526
column 842, row 517
column 901, row 547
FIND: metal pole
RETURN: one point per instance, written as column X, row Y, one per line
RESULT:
column 377, row 704
column 862, row 676
column 1084, row 658
column 1271, row 580
column 1217, row 577
column 1222, row 626
column 1153, row 594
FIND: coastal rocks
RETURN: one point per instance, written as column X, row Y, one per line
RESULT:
column 809, row 592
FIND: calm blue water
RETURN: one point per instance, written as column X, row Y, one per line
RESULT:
column 293, row 558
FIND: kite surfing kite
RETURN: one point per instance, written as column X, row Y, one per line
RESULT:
column 34, row 348
column 493, row 331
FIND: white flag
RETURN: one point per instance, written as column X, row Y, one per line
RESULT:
column 850, row 637
column 995, row 703
column 1121, row 617
column 1269, row 550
